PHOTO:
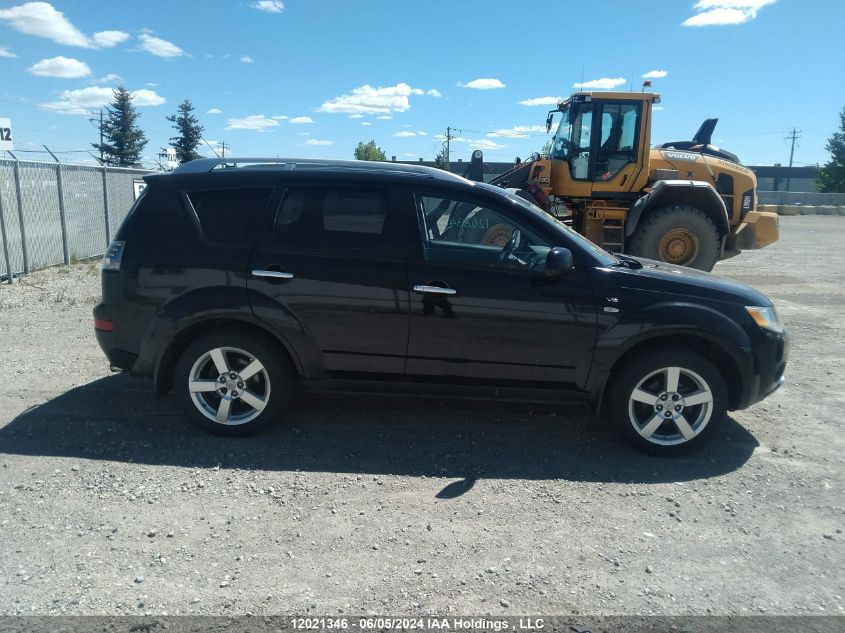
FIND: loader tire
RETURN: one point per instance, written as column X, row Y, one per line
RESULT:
column 678, row 234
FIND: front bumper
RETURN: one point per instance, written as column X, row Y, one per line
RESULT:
column 767, row 370
column 757, row 230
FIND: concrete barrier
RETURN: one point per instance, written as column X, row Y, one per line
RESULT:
column 802, row 209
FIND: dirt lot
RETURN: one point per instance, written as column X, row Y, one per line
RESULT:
column 111, row 504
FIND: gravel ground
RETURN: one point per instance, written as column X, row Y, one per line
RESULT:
column 111, row 504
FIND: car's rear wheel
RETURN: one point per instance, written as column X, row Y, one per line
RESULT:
column 233, row 382
column 667, row 403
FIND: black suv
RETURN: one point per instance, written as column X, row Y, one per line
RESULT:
column 230, row 282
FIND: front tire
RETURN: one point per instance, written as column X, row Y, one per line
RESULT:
column 679, row 235
column 233, row 382
column 668, row 403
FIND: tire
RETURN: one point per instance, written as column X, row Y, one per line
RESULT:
column 678, row 235
column 640, row 397
column 255, row 401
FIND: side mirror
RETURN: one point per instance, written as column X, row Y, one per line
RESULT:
column 549, row 120
column 558, row 263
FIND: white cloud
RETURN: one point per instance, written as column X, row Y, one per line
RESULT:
column 538, row 101
column 269, row 6
column 5, row 52
column 246, row 59
column 281, row 117
column 314, row 141
column 257, row 122
column 482, row 84
column 405, row 134
column 41, row 19
column 474, row 143
column 655, row 74
column 300, row 120
column 722, row 12
column 484, row 143
column 83, row 100
column 109, row 39
column 356, row 116
column 422, row 133
column 657, row 108
column 107, row 79
column 366, row 123
column 369, row 100
column 385, row 117
column 434, row 92
column 159, row 47
column 214, row 111
column 518, row 131
column 61, row 67
column 605, row 83
column 144, row 97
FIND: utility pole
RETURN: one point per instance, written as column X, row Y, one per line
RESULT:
column 449, row 137
column 793, row 136
column 223, row 149
column 100, row 126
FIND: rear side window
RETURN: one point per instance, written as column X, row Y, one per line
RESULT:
column 229, row 216
column 333, row 219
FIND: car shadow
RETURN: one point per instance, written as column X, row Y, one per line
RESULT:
column 118, row 419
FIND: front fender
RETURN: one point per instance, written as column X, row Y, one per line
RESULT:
column 695, row 193
column 668, row 319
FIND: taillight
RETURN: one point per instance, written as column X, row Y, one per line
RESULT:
column 114, row 253
column 103, row 325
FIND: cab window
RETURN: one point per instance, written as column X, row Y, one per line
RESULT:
column 618, row 146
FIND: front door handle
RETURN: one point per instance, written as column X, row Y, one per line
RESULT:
column 273, row 274
column 434, row 290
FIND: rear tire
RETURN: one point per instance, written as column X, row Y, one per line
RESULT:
column 233, row 382
column 679, row 235
column 667, row 403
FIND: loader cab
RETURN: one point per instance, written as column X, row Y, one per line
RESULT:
column 601, row 139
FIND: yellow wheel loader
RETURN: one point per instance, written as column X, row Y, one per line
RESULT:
column 687, row 202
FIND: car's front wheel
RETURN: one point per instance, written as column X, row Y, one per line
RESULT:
column 233, row 382
column 667, row 403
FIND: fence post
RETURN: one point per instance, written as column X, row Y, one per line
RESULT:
column 62, row 217
column 106, row 205
column 21, row 223
column 5, row 241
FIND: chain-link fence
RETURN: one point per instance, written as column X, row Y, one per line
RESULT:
column 53, row 213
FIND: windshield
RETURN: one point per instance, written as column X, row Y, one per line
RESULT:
column 563, row 136
column 606, row 258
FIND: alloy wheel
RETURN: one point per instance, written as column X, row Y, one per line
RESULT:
column 670, row 406
column 229, row 386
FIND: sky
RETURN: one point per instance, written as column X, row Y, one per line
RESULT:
column 302, row 78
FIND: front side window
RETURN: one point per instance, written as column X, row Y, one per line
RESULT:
column 229, row 216
column 464, row 231
column 332, row 219
column 572, row 140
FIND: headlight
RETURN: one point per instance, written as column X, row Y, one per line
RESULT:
column 767, row 318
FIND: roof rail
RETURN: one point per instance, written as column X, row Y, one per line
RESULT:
column 205, row 165
column 202, row 165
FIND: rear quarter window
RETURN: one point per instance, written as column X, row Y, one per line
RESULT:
column 229, row 216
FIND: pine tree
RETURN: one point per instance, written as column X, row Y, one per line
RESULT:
column 440, row 160
column 123, row 139
column 369, row 151
column 188, row 133
column 832, row 176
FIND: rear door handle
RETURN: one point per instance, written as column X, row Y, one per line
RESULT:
column 273, row 274
column 435, row 290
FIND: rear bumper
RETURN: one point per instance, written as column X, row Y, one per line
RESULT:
column 767, row 369
column 757, row 230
